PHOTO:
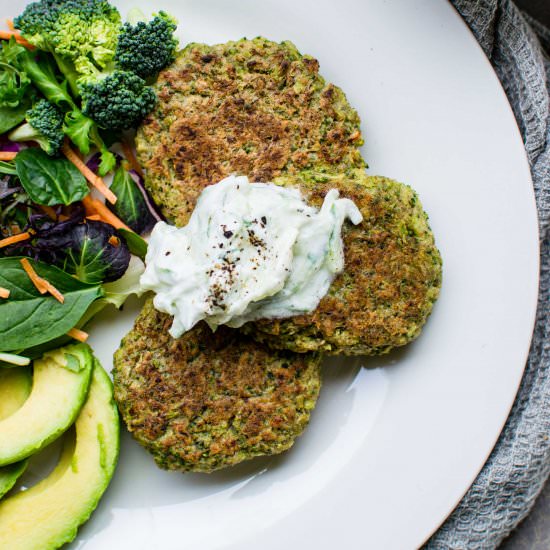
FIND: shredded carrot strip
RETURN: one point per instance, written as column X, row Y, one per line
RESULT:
column 9, row 23
column 6, row 35
column 131, row 157
column 37, row 281
column 4, row 292
column 15, row 239
column 94, row 217
column 95, row 180
column 54, row 292
column 114, row 241
column 93, row 206
column 88, row 203
column 41, row 284
column 78, row 334
column 7, row 155
column 48, row 210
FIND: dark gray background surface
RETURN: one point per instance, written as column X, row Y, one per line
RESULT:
column 539, row 9
column 534, row 532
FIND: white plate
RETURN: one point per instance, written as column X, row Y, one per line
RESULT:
column 392, row 447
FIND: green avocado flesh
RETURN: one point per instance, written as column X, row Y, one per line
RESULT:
column 48, row 515
column 60, row 384
column 15, row 387
column 10, row 474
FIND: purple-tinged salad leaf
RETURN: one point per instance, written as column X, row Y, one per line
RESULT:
column 7, row 188
column 15, row 208
column 8, row 145
column 95, row 253
column 153, row 209
column 93, row 162
column 131, row 205
column 90, row 250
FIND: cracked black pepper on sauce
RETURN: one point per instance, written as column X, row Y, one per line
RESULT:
column 249, row 251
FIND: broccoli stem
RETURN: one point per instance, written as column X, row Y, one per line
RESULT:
column 25, row 132
column 69, row 72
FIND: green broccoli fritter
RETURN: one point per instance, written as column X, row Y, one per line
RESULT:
column 209, row 400
column 44, row 125
column 251, row 107
column 391, row 278
column 145, row 48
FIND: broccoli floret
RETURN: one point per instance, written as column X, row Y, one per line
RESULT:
column 44, row 125
column 83, row 33
column 118, row 101
column 145, row 48
column 81, row 130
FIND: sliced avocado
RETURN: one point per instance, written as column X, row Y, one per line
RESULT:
column 15, row 387
column 49, row 514
column 60, row 384
column 10, row 474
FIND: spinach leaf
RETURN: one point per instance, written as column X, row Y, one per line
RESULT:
column 131, row 206
column 49, row 180
column 35, row 352
column 136, row 244
column 28, row 318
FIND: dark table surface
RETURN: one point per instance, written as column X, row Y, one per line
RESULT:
column 534, row 532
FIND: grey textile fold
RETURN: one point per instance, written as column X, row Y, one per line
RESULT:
column 514, row 474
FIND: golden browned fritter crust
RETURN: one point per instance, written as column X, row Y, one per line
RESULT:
column 391, row 279
column 252, row 107
column 209, row 400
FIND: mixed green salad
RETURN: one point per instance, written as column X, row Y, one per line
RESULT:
column 75, row 80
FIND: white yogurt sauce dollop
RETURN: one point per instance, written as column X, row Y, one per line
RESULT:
column 250, row 251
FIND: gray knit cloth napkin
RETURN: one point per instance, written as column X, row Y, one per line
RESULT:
column 510, row 481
